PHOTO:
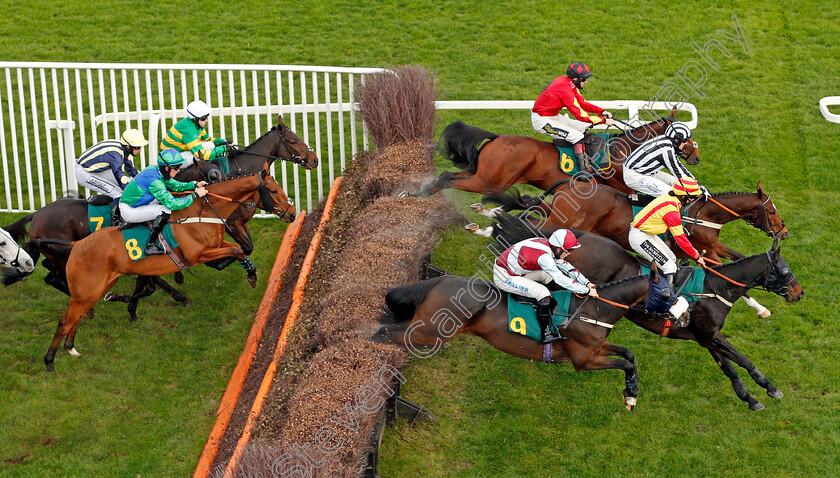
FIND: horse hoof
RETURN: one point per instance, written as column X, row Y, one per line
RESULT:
column 472, row 227
column 776, row 394
column 757, row 406
column 74, row 352
column 764, row 314
column 630, row 403
column 186, row 303
column 50, row 367
column 477, row 207
column 109, row 296
column 252, row 281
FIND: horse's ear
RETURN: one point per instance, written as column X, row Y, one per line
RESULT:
column 775, row 246
column 674, row 112
column 654, row 274
column 760, row 190
column 265, row 166
column 280, row 120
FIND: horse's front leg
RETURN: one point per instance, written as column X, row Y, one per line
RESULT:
column 229, row 249
column 729, row 351
column 737, row 385
column 583, row 359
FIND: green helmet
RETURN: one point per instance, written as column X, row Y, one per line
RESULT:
column 170, row 157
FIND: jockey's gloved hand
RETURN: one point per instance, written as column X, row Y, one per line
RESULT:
column 606, row 114
column 705, row 192
column 227, row 141
column 229, row 148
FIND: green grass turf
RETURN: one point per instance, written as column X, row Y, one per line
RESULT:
column 138, row 400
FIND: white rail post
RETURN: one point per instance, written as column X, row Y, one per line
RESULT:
column 65, row 128
column 825, row 103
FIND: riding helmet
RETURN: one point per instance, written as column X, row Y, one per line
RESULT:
column 678, row 132
column 564, row 239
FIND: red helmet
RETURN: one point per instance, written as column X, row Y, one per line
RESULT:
column 564, row 239
column 578, row 72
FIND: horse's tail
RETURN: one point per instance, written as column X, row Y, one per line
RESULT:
column 403, row 301
column 462, row 143
column 17, row 229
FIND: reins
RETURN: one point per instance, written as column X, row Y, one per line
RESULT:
column 718, row 273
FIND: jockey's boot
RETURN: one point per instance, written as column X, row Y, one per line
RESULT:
column 665, row 293
column 115, row 212
column 544, row 318
column 580, row 157
column 152, row 248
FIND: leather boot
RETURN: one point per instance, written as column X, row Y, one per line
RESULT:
column 152, row 248
column 665, row 294
column 544, row 318
column 580, row 157
column 115, row 213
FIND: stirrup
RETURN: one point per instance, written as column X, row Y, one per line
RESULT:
column 548, row 337
column 154, row 250
column 125, row 225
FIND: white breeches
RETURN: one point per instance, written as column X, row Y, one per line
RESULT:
column 102, row 182
column 560, row 126
column 529, row 285
column 654, row 249
column 142, row 213
column 655, row 184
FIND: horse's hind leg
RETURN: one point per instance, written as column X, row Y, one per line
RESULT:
column 69, row 342
column 737, row 385
column 68, row 321
column 144, row 287
column 172, row 291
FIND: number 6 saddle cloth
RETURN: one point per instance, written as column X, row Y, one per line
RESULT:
column 522, row 314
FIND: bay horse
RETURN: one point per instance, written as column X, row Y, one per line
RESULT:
column 708, row 315
column 492, row 162
column 608, row 212
column 436, row 310
column 97, row 261
column 67, row 219
column 423, row 314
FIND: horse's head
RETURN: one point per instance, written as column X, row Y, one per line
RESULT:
column 780, row 279
column 768, row 218
column 11, row 254
column 689, row 151
column 274, row 200
column 292, row 148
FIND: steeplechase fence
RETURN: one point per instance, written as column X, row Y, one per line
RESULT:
column 51, row 112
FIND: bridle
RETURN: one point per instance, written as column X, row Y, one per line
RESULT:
column 772, row 230
column 282, row 133
column 16, row 261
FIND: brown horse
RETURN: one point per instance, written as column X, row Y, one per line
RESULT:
column 607, row 212
column 434, row 311
column 423, row 314
column 493, row 163
column 97, row 261
column 67, row 219
column 708, row 315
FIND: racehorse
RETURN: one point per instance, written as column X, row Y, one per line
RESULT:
column 423, row 314
column 492, row 162
column 67, row 219
column 608, row 212
column 12, row 255
column 97, row 261
column 432, row 312
column 612, row 262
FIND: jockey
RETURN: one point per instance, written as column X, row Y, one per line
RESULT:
column 106, row 167
column 148, row 196
column 643, row 168
column 524, row 267
column 662, row 214
column 190, row 138
column 564, row 92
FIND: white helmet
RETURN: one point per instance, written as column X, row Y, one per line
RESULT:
column 134, row 138
column 198, row 109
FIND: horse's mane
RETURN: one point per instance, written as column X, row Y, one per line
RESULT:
column 263, row 135
column 630, row 132
column 619, row 281
column 230, row 178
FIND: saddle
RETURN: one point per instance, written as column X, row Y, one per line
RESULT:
column 638, row 200
column 100, row 200
column 595, row 144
